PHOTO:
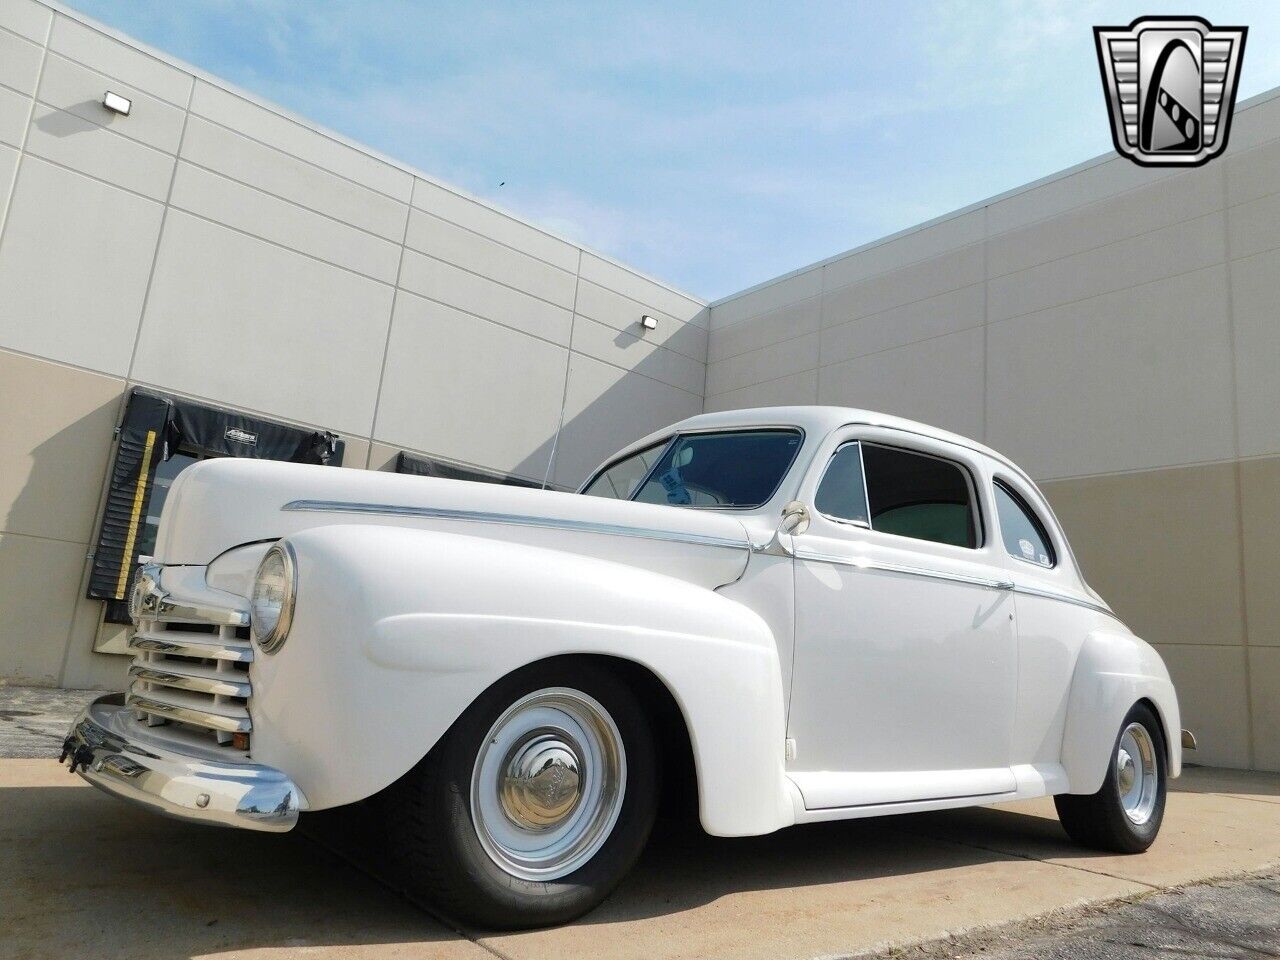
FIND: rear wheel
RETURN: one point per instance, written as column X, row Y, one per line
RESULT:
column 535, row 804
column 1124, row 816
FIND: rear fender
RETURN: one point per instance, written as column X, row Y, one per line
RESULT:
column 1114, row 671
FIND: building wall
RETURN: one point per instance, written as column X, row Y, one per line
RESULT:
column 1114, row 330
column 217, row 248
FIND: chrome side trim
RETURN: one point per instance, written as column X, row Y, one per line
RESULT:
column 516, row 520
column 880, row 566
column 114, row 753
column 203, row 718
column 1064, row 598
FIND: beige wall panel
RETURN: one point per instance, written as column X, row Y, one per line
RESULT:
column 938, row 381
column 1211, row 697
column 19, row 63
column 39, row 583
column 470, row 251
column 958, row 310
column 115, row 59
column 605, row 409
column 920, row 281
column 1153, row 207
column 84, row 669
column 73, row 267
column 1264, row 685
column 1260, row 516
column 74, row 142
column 631, row 284
column 769, row 363
column 1254, row 226
column 623, row 314
column 299, row 139
column 765, row 299
column 470, row 390
column 8, row 167
column 295, row 180
column 26, row 17
column 793, row 320
column 638, row 354
column 356, row 455
column 486, row 298
column 924, row 243
column 1162, row 547
column 1174, row 250
column 76, row 89
column 1058, row 194
column 56, row 428
column 1256, row 124
column 799, row 388
column 1257, row 353
column 240, row 321
column 15, row 111
column 216, row 197
column 474, row 215
column 1253, row 173
column 1136, row 379
column 382, row 456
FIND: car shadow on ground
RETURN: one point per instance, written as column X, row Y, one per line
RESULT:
column 87, row 875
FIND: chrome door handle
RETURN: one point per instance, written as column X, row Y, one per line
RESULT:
column 1003, row 584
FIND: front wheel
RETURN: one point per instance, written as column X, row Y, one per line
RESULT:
column 534, row 805
column 1125, row 815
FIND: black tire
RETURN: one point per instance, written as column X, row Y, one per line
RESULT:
column 1098, row 820
column 442, row 862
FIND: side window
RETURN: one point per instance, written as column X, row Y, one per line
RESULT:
column 842, row 494
column 1023, row 534
column 918, row 495
column 619, row 482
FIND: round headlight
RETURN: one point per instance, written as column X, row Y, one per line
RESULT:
column 271, row 606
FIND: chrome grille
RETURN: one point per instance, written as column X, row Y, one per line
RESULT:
column 191, row 663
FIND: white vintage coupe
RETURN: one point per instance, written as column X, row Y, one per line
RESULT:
column 826, row 613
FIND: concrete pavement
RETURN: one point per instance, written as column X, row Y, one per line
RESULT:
column 82, row 874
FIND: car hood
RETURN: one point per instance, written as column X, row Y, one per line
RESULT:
column 217, row 505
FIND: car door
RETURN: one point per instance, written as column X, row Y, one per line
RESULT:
column 905, row 670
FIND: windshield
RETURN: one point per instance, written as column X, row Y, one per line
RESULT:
column 739, row 469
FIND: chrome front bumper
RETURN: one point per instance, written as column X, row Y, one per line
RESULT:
column 113, row 752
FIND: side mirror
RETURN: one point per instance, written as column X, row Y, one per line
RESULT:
column 795, row 518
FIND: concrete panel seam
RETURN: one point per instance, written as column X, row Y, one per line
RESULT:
column 780, row 340
column 568, row 358
column 275, row 196
column 391, row 319
column 26, row 133
column 986, row 318
column 761, row 383
column 40, row 536
column 480, row 316
column 896, row 306
column 1167, row 466
column 485, row 276
column 89, row 176
column 636, row 373
column 155, row 252
column 283, row 246
column 119, row 133
column 494, row 240
column 1105, row 293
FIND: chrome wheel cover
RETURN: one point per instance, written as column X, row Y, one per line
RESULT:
column 548, row 784
column 1137, row 773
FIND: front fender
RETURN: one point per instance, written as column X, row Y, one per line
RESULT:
column 396, row 631
column 1114, row 670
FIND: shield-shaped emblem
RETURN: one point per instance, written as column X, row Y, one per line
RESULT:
column 1170, row 84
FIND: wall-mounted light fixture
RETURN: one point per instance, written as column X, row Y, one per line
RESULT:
column 648, row 322
column 116, row 103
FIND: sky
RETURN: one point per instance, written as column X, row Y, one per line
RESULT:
column 711, row 145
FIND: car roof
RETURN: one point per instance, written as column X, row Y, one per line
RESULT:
column 814, row 420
